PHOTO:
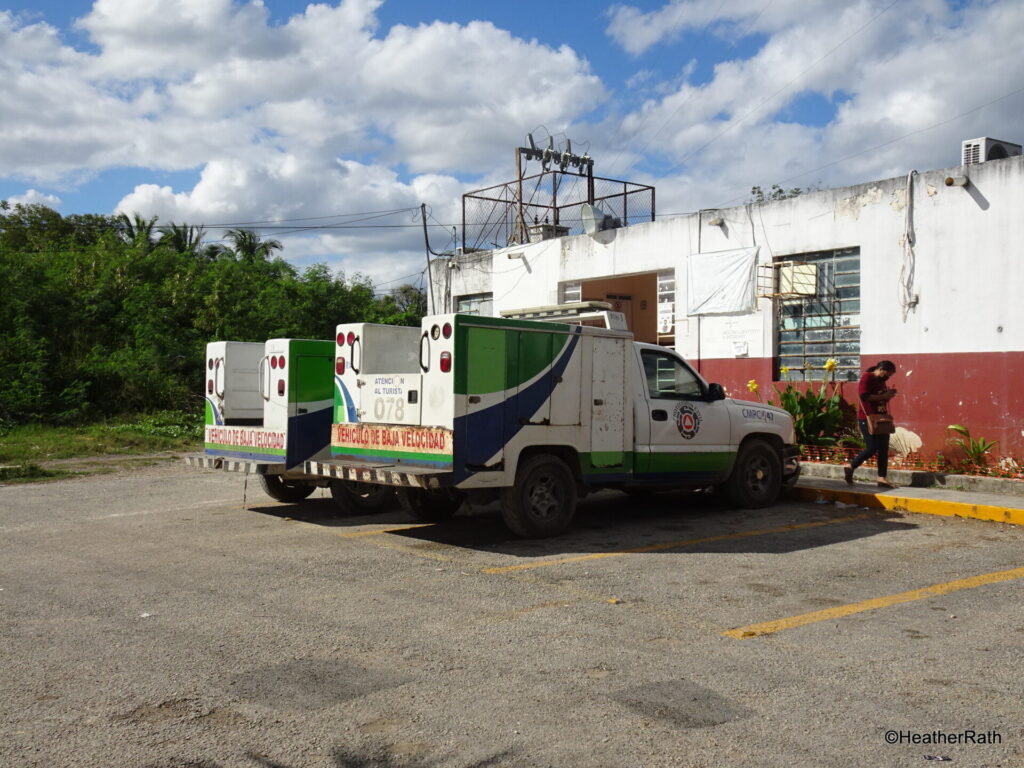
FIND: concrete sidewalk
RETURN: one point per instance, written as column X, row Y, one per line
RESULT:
column 817, row 483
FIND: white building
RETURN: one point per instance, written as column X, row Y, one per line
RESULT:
column 926, row 270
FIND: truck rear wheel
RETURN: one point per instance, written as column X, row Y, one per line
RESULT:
column 543, row 500
column 285, row 490
column 363, row 497
column 756, row 478
column 431, row 506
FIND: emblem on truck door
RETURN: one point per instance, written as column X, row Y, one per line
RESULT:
column 687, row 419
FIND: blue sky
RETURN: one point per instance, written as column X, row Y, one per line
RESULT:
column 224, row 111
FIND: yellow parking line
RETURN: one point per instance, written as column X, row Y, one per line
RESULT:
column 675, row 544
column 768, row 627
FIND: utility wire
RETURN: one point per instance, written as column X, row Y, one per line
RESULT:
column 308, row 218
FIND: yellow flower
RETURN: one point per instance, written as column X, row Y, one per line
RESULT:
column 752, row 385
column 830, row 364
column 784, row 371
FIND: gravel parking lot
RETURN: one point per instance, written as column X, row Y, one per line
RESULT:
column 168, row 617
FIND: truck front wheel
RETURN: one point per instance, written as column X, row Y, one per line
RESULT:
column 543, row 500
column 757, row 477
column 285, row 490
column 431, row 506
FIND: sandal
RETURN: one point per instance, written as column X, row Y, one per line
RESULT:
column 886, row 484
column 848, row 475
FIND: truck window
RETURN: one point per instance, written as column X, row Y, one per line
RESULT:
column 668, row 377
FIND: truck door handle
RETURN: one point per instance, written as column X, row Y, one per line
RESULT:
column 425, row 344
column 659, row 415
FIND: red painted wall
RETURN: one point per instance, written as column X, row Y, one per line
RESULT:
column 984, row 391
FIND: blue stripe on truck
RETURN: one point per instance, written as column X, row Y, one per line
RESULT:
column 480, row 435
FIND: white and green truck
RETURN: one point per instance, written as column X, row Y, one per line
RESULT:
column 269, row 410
column 536, row 414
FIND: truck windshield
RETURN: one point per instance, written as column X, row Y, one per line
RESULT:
column 668, row 377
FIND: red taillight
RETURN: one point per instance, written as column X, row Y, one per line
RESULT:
column 280, row 362
column 273, row 362
column 341, row 339
column 280, row 386
column 339, row 366
column 446, row 362
column 446, row 331
column 351, row 338
column 209, row 386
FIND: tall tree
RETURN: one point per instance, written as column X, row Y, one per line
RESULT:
column 249, row 246
column 136, row 230
column 186, row 239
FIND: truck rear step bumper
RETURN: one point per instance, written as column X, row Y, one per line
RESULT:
column 381, row 474
column 246, row 466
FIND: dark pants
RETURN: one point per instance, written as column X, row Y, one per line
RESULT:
column 873, row 444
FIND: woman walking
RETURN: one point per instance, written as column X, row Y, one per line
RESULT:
column 874, row 398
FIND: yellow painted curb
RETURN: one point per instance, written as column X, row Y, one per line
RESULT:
column 895, row 502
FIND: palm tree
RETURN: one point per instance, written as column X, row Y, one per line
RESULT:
column 248, row 246
column 136, row 230
column 186, row 238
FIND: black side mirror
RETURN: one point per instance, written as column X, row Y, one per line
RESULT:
column 715, row 392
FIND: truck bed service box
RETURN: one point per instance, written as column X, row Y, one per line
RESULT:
column 464, row 394
column 269, row 403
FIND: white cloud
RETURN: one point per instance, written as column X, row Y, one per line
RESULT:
column 34, row 197
column 636, row 31
column 896, row 74
column 305, row 118
column 325, row 113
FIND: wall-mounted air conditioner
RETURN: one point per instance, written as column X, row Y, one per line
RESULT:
column 980, row 150
column 787, row 280
column 797, row 279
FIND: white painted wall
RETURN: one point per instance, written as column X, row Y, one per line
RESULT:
column 969, row 271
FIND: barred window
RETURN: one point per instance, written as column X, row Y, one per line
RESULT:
column 570, row 292
column 812, row 329
column 475, row 304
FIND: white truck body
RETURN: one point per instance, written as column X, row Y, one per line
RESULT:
column 268, row 405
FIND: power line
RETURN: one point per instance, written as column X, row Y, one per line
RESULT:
column 307, row 218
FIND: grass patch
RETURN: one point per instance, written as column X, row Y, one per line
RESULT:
column 143, row 433
column 31, row 473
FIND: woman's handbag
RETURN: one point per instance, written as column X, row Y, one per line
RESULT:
column 880, row 423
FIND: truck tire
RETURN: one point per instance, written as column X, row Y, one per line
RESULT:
column 756, row 478
column 285, row 490
column 431, row 506
column 543, row 500
column 362, row 497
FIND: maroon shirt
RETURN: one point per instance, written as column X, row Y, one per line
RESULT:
column 869, row 385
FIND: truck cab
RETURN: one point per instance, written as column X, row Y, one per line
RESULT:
column 687, row 430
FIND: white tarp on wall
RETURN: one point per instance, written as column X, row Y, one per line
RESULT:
column 722, row 282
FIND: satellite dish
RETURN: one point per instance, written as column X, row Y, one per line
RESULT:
column 595, row 220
